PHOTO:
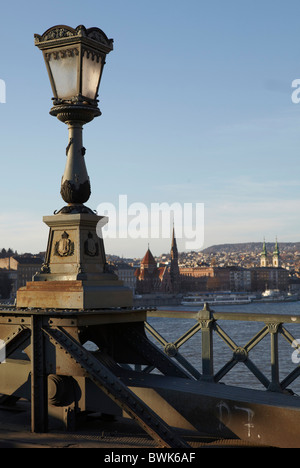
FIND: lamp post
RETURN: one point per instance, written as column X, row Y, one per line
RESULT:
column 75, row 60
column 75, row 273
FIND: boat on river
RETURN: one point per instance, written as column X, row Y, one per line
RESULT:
column 275, row 295
column 223, row 298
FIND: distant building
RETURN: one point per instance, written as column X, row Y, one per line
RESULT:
column 22, row 268
column 276, row 254
column 264, row 256
column 162, row 278
column 214, row 278
column 174, row 271
column 266, row 261
column 151, row 278
column 240, row 279
column 174, row 279
column 270, row 275
column 294, row 284
column 126, row 273
column 269, row 278
column 190, row 281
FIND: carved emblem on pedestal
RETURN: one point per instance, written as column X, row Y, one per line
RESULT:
column 64, row 247
column 91, row 247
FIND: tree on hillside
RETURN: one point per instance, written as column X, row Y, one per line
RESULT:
column 7, row 253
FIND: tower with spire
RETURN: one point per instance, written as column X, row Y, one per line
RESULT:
column 148, row 263
column 276, row 255
column 174, row 268
column 146, row 274
column 264, row 256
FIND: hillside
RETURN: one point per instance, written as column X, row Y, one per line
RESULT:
column 248, row 247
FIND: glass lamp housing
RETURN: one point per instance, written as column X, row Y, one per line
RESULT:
column 74, row 59
column 63, row 68
column 91, row 73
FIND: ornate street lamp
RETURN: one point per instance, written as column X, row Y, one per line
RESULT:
column 75, row 60
column 75, row 273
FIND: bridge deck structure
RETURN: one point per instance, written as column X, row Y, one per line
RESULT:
column 47, row 364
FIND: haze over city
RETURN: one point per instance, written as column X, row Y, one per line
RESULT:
column 196, row 102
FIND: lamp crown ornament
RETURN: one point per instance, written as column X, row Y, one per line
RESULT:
column 66, row 32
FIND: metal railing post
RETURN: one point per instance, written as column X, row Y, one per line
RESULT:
column 208, row 321
column 205, row 318
column 275, row 380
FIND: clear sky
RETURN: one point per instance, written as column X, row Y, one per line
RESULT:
column 196, row 108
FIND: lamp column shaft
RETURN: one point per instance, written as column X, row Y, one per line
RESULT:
column 75, row 185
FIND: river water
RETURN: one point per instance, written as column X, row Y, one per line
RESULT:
column 241, row 333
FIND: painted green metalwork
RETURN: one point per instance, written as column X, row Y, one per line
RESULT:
column 209, row 323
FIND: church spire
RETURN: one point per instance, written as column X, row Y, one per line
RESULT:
column 174, row 250
column 276, row 254
column 174, row 267
column 276, row 251
column 264, row 256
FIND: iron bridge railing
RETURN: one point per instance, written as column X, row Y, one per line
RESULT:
column 208, row 323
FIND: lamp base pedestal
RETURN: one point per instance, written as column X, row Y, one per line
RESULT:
column 75, row 274
column 78, row 295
